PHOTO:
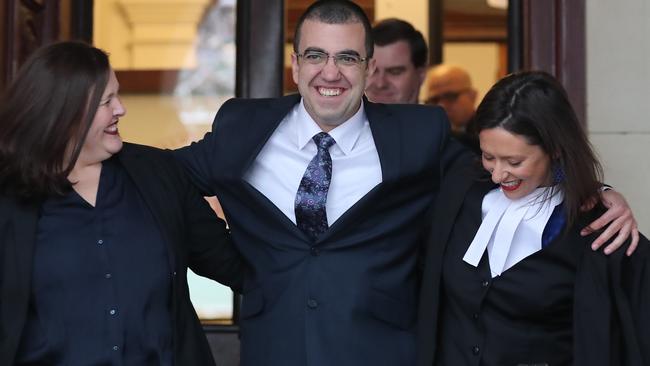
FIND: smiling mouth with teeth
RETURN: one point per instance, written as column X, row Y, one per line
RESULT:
column 329, row 92
column 112, row 129
column 510, row 186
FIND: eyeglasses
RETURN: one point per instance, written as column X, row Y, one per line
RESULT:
column 340, row 59
column 447, row 97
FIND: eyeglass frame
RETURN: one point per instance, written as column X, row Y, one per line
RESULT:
column 450, row 96
column 336, row 58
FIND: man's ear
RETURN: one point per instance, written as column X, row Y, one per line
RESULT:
column 422, row 74
column 295, row 67
column 372, row 65
column 472, row 95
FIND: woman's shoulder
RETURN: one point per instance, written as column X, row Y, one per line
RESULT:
column 147, row 154
column 149, row 160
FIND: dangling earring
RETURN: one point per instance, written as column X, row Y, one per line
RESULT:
column 558, row 173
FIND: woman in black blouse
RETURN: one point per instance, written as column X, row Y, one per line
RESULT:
column 96, row 235
column 509, row 280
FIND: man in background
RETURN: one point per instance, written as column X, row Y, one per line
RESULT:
column 451, row 88
column 401, row 61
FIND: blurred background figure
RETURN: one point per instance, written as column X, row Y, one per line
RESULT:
column 451, row 88
column 401, row 60
column 215, row 54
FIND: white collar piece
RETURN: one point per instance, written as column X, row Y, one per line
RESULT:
column 511, row 230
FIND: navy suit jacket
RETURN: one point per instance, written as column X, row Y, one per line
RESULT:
column 349, row 298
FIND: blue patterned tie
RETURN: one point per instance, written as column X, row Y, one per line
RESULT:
column 311, row 217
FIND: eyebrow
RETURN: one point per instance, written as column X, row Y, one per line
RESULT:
column 396, row 68
column 508, row 157
column 314, row 49
column 348, row 52
column 344, row 52
column 110, row 95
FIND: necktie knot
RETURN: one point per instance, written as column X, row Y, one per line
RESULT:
column 323, row 141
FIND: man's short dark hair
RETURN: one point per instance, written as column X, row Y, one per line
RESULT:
column 336, row 12
column 392, row 30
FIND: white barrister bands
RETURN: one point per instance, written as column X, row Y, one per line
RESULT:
column 511, row 230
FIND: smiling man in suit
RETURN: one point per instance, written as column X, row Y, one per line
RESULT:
column 326, row 196
column 324, row 193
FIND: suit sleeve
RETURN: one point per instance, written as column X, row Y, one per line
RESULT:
column 455, row 155
column 611, row 308
column 210, row 250
column 198, row 157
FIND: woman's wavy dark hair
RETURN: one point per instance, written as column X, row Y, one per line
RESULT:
column 535, row 106
column 45, row 115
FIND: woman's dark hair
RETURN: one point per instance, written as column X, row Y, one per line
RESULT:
column 45, row 115
column 535, row 106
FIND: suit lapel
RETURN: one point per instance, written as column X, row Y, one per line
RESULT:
column 25, row 221
column 25, row 218
column 386, row 134
column 17, row 259
column 263, row 123
column 456, row 185
column 145, row 183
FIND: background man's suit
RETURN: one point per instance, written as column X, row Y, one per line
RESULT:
column 350, row 297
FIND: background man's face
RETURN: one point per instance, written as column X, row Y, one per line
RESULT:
column 332, row 94
column 396, row 79
column 456, row 97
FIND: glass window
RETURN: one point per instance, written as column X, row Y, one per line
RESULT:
column 175, row 61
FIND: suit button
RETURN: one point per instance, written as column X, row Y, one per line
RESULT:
column 475, row 316
column 312, row 304
column 485, row 283
column 476, row 350
column 314, row 251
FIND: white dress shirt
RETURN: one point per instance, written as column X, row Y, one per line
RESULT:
column 280, row 165
column 511, row 230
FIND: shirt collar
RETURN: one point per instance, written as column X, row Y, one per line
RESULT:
column 511, row 229
column 345, row 135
